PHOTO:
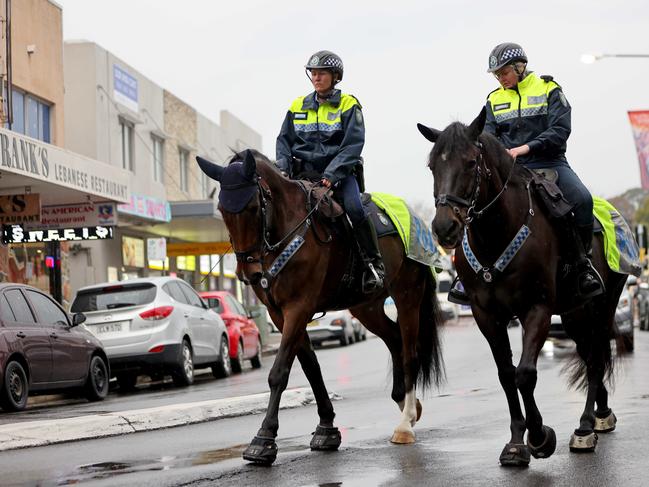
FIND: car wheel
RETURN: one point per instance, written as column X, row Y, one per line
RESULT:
column 97, row 382
column 15, row 388
column 223, row 368
column 237, row 362
column 256, row 360
column 184, row 373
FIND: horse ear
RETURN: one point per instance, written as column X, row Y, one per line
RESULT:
column 212, row 170
column 430, row 133
column 477, row 126
column 249, row 165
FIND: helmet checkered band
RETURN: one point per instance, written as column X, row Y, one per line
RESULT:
column 333, row 62
column 511, row 53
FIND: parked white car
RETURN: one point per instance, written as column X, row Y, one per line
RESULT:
column 335, row 325
column 155, row 326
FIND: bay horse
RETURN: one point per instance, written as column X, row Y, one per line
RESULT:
column 259, row 206
column 484, row 202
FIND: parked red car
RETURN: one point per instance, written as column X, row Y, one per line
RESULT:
column 245, row 342
column 43, row 349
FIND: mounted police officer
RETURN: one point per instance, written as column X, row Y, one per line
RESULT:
column 323, row 135
column 530, row 115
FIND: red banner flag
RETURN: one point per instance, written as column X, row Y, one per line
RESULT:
column 640, row 126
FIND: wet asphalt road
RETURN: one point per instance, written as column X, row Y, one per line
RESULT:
column 459, row 438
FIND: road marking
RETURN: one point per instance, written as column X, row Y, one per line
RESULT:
column 48, row 432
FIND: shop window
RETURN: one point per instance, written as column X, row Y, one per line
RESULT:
column 158, row 158
column 126, row 131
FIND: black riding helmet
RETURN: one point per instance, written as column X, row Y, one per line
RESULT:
column 326, row 60
column 504, row 54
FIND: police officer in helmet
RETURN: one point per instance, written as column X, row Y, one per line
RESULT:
column 323, row 135
column 530, row 115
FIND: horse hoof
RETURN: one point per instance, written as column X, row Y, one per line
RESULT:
column 583, row 443
column 515, row 455
column 403, row 438
column 547, row 447
column 605, row 424
column 325, row 439
column 262, row 451
column 419, row 408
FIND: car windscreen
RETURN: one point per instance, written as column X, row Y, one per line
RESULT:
column 113, row 297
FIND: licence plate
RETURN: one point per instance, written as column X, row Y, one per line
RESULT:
column 116, row 327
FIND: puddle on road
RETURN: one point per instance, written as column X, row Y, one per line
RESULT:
column 104, row 470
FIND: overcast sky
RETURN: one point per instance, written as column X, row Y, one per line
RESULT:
column 406, row 61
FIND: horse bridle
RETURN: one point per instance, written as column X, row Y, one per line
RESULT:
column 264, row 247
column 469, row 204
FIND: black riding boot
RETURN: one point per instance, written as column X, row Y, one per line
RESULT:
column 374, row 271
column 589, row 282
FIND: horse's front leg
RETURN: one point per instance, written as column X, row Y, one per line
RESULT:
column 326, row 436
column 515, row 452
column 263, row 449
column 541, row 439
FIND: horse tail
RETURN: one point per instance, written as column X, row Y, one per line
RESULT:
column 595, row 349
column 429, row 352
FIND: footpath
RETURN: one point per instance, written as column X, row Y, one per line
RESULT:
column 47, row 432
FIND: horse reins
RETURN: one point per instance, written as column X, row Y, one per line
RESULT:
column 265, row 246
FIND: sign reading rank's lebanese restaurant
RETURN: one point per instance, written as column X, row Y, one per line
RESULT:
column 25, row 156
column 17, row 234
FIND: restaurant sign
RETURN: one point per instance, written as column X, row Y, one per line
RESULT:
column 29, row 157
column 20, row 208
column 77, row 215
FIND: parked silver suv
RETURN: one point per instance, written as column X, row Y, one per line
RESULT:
column 156, row 326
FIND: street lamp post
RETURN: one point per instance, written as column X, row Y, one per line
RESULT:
column 591, row 58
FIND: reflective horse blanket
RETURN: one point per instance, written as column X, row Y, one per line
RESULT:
column 620, row 247
column 415, row 234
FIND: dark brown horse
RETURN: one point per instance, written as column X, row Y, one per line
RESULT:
column 481, row 191
column 268, row 217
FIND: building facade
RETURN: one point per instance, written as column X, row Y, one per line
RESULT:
column 171, row 223
column 51, row 200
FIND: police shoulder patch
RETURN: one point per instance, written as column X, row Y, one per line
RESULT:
column 563, row 99
column 359, row 116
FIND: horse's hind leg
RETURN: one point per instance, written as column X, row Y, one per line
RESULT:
column 326, row 436
column 605, row 419
column 375, row 320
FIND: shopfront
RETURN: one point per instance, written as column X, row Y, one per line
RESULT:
column 51, row 201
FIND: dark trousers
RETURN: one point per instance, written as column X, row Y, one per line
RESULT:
column 577, row 194
column 347, row 193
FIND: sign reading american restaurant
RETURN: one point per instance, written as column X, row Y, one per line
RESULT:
column 76, row 215
column 25, row 156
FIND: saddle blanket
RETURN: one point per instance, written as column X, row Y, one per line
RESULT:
column 620, row 247
column 416, row 236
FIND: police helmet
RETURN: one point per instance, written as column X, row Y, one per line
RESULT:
column 326, row 60
column 504, row 54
